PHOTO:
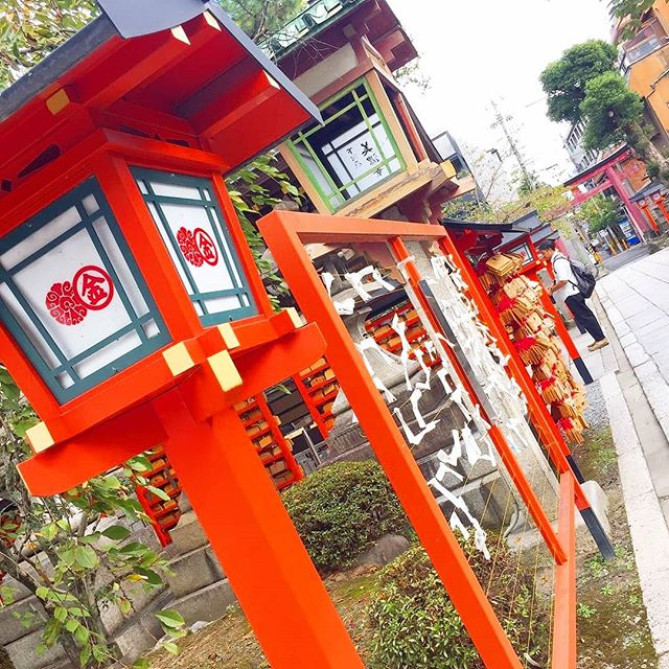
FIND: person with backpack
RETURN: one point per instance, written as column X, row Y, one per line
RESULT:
column 574, row 284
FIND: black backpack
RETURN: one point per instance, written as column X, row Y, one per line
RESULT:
column 585, row 279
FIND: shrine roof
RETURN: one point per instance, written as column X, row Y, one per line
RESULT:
column 319, row 30
column 457, row 224
column 183, row 61
column 315, row 18
column 647, row 191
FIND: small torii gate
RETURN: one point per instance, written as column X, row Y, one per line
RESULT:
column 608, row 168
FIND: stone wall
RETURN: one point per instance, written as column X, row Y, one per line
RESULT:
column 197, row 589
column 5, row 662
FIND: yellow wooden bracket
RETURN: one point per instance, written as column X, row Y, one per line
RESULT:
column 225, row 371
column 40, row 438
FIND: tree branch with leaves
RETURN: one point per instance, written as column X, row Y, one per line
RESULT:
column 585, row 85
column 73, row 552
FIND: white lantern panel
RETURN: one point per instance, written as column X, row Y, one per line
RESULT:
column 193, row 229
column 121, row 268
column 48, row 286
column 41, row 238
column 28, row 326
column 199, row 246
column 222, row 304
column 90, row 204
column 151, row 329
column 175, row 190
column 72, row 296
column 107, row 355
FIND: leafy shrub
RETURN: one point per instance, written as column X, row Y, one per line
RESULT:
column 341, row 510
column 417, row 627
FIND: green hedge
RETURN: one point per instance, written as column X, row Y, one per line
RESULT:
column 415, row 625
column 341, row 510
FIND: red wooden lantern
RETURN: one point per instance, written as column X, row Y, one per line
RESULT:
column 131, row 311
column 658, row 199
column 644, row 205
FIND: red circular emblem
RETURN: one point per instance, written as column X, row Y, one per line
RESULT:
column 206, row 247
column 93, row 287
column 186, row 241
column 64, row 305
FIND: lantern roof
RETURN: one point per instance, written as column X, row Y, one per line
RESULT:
column 649, row 190
column 179, row 63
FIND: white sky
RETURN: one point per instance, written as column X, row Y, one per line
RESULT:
column 475, row 51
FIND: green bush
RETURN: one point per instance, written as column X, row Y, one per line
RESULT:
column 341, row 510
column 415, row 625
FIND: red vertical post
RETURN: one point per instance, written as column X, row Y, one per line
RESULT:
column 645, row 208
column 663, row 208
column 564, row 626
column 390, row 448
column 293, row 618
column 632, row 209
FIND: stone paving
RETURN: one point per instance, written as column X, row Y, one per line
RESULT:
column 633, row 374
column 636, row 300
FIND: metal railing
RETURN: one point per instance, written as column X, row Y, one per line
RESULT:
column 317, row 15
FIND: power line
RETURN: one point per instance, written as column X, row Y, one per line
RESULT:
column 501, row 122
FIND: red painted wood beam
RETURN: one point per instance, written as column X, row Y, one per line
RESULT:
column 564, row 626
column 285, row 233
column 105, row 446
column 584, row 197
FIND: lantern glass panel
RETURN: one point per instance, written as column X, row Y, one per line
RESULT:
column 352, row 152
column 194, row 231
column 73, row 297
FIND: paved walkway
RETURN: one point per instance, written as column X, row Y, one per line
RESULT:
column 634, row 378
column 636, row 252
column 636, row 300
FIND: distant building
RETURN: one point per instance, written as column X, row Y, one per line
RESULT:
column 645, row 64
column 574, row 143
column 449, row 150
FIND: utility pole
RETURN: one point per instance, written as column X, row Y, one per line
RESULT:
column 501, row 122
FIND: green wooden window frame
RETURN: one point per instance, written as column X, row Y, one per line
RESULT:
column 67, row 365
column 336, row 196
column 208, row 202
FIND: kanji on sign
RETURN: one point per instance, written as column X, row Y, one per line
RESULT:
column 198, row 247
column 93, row 287
column 206, row 246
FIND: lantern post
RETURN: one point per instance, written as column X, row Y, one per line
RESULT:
column 644, row 205
column 131, row 310
column 658, row 199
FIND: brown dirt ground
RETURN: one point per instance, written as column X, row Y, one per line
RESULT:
column 230, row 643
